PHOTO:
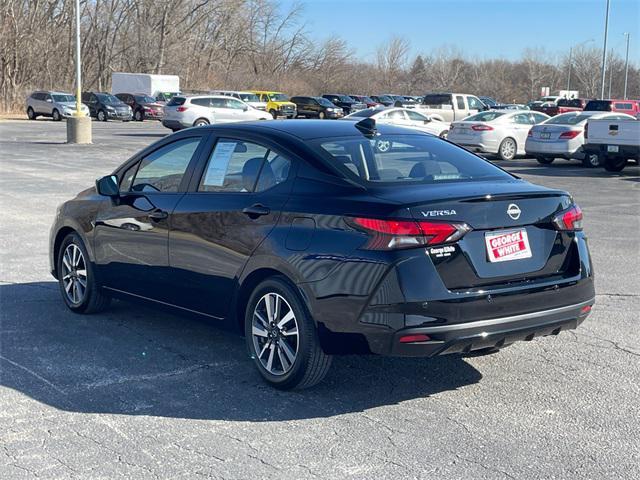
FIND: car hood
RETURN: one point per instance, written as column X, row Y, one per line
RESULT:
column 71, row 104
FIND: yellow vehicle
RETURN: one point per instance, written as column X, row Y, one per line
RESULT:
column 278, row 104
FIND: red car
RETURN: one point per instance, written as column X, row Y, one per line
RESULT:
column 364, row 99
column 564, row 105
column 630, row 107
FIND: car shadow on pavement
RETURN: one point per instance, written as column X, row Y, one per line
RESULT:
column 134, row 360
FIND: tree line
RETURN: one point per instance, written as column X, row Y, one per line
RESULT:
column 241, row 44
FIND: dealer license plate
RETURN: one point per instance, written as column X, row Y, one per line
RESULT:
column 507, row 245
column 613, row 148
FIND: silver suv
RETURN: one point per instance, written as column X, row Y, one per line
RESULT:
column 197, row 110
column 57, row 105
column 249, row 98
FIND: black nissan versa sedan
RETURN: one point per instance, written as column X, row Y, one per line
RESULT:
column 313, row 243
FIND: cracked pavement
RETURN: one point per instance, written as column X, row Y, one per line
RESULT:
column 145, row 394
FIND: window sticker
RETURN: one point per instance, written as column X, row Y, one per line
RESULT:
column 219, row 163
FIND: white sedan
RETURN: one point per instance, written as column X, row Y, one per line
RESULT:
column 501, row 132
column 404, row 117
column 562, row 136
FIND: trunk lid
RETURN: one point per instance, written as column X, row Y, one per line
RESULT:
column 512, row 207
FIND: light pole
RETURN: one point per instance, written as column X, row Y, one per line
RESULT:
column 626, row 66
column 78, row 126
column 604, row 50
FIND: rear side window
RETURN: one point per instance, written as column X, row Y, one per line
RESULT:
column 176, row 101
column 460, row 102
column 238, row 166
column 624, row 106
column 162, row 170
column 202, row 102
column 436, row 100
column 403, row 159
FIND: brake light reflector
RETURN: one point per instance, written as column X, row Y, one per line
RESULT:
column 181, row 109
column 420, row 337
column 570, row 219
column 397, row 234
column 481, row 128
column 570, row 134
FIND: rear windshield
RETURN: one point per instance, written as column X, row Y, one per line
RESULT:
column 398, row 159
column 176, row 101
column 567, row 119
column 365, row 113
column 436, row 100
column 598, row 106
column 484, row 116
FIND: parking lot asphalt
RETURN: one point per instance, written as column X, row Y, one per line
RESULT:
column 137, row 393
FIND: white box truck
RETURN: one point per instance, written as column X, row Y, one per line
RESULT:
column 160, row 87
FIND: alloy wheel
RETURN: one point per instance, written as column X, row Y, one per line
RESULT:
column 274, row 329
column 74, row 274
column 508, row 149
column 594, row 160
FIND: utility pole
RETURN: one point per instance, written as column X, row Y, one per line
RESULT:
column 610, row 75
column 78, row 64
column 626, row 66
column 604, row 50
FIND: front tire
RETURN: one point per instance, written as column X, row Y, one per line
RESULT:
column 591, row 160
column 507, row 149
column 274, row 114
column 282, row 338
column 76, row 278
column 615, row 164
column 321, row 115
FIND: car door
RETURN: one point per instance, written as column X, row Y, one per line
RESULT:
column 233, row 202
column 520, row 126
column 91, row 101
column 238, row 110
column 220, row 112
column 47, row 105
column 131, row 233
column 394, row 117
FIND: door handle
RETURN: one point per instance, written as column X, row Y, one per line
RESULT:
column 255, row 211
column 158, row 214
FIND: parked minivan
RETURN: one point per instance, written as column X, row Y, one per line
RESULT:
column 198, row 110
column 57, row 105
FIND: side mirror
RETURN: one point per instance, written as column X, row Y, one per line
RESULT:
column 108, row 186
column 49, row 100
column 427, row 118
column 245, row 108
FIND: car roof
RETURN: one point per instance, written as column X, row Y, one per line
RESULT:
column 308, row 129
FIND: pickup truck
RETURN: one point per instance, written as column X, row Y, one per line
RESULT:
column 564, row 105
column 450, row 107
column 614, row 141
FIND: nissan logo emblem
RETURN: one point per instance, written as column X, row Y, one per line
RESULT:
column 513, row 211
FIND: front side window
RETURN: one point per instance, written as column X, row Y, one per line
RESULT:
column 394, row 115
column 62, row 98
column 162, row 170
column 404, row 159
column 238, row 166
column 521, row 119
column 415, row 116
column 236, row 104
column 460, row 102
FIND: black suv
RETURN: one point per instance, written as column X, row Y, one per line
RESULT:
column 348, row 104
column 143, row 106
column 317, row 107
column 104, row 106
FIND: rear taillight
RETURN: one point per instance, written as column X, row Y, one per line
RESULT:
column 569, row 219
column 397, row 234
column 570, row 134
column 481, row 128
column 181, row 109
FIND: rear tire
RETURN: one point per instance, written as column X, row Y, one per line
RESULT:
column 101, row 116
column 31, row 114
column 545, row 160
column 138, row 115
column 615, row 164
column 55, row 115
column 79, row 287
column 284, row 345
column 508, row 149
column 592, row 160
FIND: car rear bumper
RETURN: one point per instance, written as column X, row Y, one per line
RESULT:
column 624, row 151
column 488, row 333
column 174, row 124
column 559, row 149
